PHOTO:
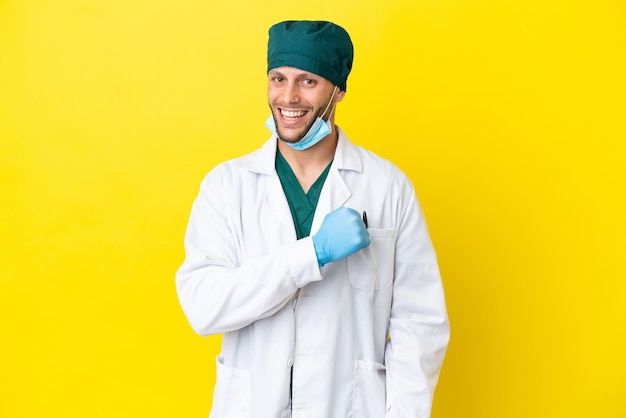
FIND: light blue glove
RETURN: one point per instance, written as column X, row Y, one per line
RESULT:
column 342, row 233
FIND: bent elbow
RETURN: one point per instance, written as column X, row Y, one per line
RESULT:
column 200, row 322
column 192, row 307
column 199, row 327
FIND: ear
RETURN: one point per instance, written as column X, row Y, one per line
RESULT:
column 339, row 96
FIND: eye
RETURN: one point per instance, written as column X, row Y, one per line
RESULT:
column 277, row 79
column 308, row 82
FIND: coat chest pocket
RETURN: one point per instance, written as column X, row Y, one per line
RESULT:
column 372, row 267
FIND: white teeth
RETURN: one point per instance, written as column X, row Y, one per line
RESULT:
column 292, row 113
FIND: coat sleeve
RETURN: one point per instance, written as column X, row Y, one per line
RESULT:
column 418, row 329
column 217, row 291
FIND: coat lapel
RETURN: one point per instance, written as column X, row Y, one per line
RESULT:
column 263, row 162
column 336, row 192
column 277, row 202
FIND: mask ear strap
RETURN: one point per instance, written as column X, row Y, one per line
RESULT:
column 332, row 96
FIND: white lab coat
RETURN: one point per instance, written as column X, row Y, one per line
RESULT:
column 247, row 276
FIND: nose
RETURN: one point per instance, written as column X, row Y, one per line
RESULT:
column 291, row 93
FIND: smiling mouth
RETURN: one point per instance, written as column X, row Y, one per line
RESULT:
column 292, row 115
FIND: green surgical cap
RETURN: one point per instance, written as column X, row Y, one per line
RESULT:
column 321, row 48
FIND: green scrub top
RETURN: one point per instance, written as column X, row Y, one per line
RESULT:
column 302, row 205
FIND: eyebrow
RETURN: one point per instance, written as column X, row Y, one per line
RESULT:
column 303, row 74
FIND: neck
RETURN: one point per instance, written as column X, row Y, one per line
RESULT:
column 308, row 164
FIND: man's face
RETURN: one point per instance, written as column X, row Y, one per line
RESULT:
column 296, row 98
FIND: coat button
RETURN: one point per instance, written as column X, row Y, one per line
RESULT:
column 290, row 362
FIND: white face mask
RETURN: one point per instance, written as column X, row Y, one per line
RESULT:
column 318, row 131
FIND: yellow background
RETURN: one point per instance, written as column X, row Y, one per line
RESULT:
column 509, row 116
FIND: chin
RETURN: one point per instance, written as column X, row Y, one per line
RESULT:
column 291, row 139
